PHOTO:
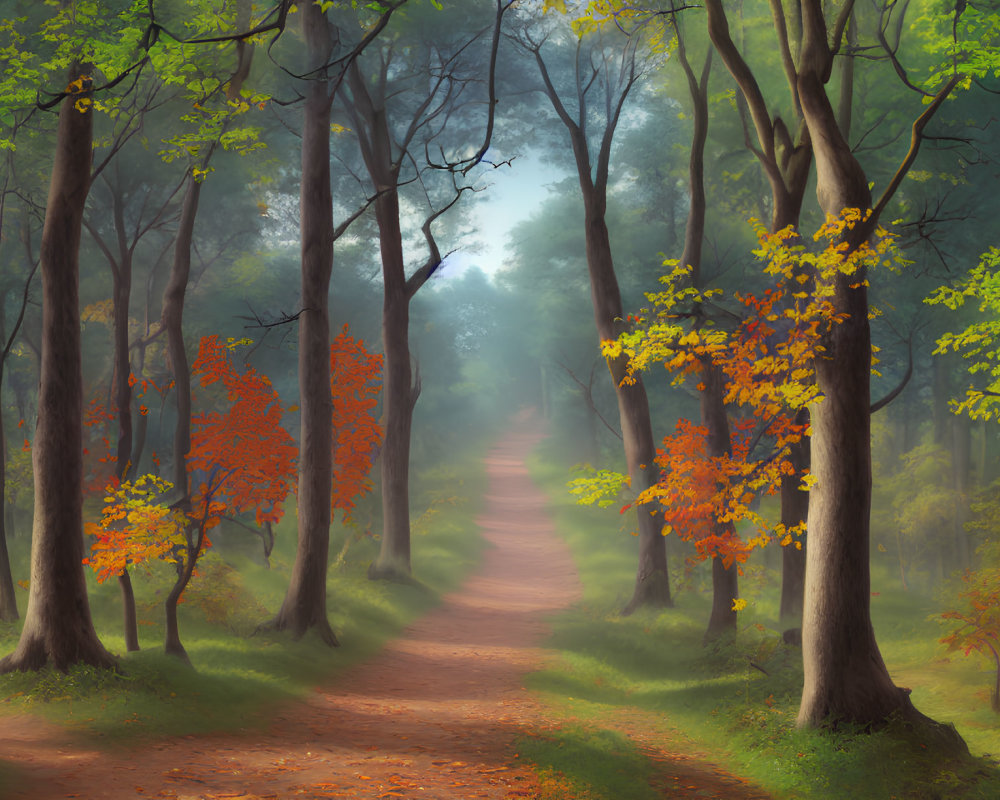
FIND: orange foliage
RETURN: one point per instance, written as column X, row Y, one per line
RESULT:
column 134, row 527
column 247, row 456
column 354, row 385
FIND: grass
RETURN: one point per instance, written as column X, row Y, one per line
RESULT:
column 734, row 703
column 239, row 678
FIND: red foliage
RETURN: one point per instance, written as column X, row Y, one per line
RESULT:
column 355, row 384
column 243, row 456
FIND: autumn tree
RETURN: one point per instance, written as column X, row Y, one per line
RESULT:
column 240, row 459
column 845, row 677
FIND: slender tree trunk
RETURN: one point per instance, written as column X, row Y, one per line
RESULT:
column 652, row 583
column 172, row 320
column 794, row 510
column 961, row 460
column 398, row 392
column 129, row 618
column 725, row 580
column 58, row 628
column 304, row 606
column 8, row 600
column 121, row 295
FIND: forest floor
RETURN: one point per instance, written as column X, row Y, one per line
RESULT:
column 436, row 714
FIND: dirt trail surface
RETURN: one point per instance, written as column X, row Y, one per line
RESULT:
column 435, row 715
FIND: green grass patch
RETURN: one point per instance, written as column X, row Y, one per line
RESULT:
column 736, row 700
column 588, row 764
column 239, row 677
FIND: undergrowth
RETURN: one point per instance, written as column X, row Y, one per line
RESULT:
column 733, row 704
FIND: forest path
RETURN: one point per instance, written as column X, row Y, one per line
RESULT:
column 434, row 715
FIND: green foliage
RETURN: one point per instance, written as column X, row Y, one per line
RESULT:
column 978, row 341
column 602, row 487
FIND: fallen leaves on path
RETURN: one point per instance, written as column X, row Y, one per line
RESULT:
column 434, row 716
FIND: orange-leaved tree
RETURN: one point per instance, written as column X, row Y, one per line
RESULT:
column 241, row 459
column 765, row 362
column 135, row 527
column 355, row 384
column 978, row 616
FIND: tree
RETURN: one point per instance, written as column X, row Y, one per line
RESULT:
column 240, row 459
column 57, row 627
column 976, row 622
column 399, row 101
column 601, row 75
column 304, row 605
column 845, row 677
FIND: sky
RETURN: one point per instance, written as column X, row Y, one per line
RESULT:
column 514, row 194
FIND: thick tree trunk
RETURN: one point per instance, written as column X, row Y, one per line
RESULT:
column 845, row 678
column 304, row 606
column 57, row 627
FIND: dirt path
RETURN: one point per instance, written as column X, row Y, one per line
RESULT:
column 433, row 716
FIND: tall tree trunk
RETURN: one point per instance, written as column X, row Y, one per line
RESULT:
column 8, row 600
column 172, row 320
column 121, row 295
column 304, row 606
column 961, row 460
column 794, row 511
column 58, row 628
column 787, row 167
column 652, row 581
column 398, row 393
column 845, row 677
column 725, row 580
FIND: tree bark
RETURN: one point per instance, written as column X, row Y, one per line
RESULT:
column 304, row 605
column 8, row 600
column 725, row 580
column 652, row 581
column 845, row 678
column 398, row 392
column 794, row 510
column 787, row 167
column 58, row 628
column 172, row 320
